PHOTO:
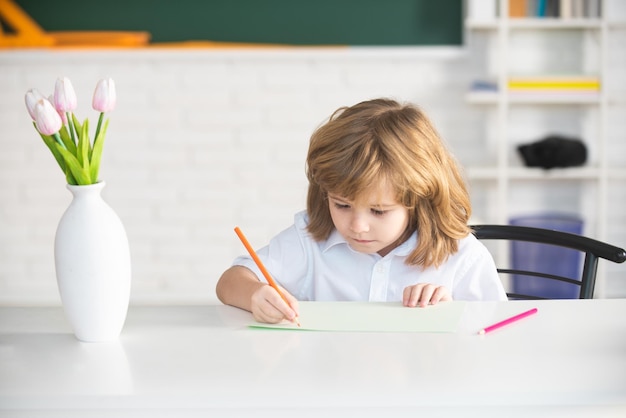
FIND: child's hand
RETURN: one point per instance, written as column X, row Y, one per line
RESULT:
column 423, row 294
column 267, row 305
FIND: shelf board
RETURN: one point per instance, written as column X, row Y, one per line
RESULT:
column 481, row 25
column 570, row 173
column 534, row 173
column 554, row 23
column 490, row 97
column 617, row 24
column 482, row 97
column 537, row 23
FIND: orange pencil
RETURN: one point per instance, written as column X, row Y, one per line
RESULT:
column 258, row 262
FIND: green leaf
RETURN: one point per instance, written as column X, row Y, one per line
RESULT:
column 51, row 143
column 67, row 140
column 83, row 147
column 81, row 176
column 70, row 178
column 96, row 155
column 54, row 146
column 77, row 125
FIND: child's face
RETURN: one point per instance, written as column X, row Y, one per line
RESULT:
column 372, row 225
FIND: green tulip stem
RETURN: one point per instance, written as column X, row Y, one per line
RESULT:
column 99, row 124
column 71, row 126
column 57, row 137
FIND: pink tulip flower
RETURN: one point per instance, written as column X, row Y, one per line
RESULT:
column 47, row 118
column 64, row 95
column 62, row 114
column 31, row 98
column 104, row 97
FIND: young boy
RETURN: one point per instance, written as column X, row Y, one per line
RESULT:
column 386, row 220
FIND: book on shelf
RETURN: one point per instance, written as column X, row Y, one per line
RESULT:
column 487, row 10
column 484, row 86
column 563, row 9
column 541, row 83
column 576, row 83
column 550, row 89
column 517, row 8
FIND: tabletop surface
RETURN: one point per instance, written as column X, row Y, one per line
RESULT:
column 569, row 358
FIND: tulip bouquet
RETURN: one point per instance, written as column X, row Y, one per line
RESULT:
column 65, row 136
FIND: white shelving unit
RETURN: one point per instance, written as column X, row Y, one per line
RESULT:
column 501, row 185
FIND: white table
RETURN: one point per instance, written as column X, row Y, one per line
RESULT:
column 567, row 360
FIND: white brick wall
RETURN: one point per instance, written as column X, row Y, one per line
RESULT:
column 201, row 141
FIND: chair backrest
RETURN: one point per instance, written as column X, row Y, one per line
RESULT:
column 591, row 249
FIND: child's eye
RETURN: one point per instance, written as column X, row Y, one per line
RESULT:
column 341, row 205
column 378, row 212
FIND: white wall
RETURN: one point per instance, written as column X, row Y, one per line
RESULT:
column 201, row 141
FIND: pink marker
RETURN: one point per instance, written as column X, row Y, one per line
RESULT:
column 508, row 321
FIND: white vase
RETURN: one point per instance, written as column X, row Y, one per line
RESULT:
column 92, row 261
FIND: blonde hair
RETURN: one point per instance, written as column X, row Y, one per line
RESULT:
column 383, row 140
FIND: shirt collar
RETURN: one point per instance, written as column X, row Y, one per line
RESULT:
column 335, row 238
column 407, row 246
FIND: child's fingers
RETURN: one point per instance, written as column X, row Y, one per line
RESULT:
column 424, row 294
column 441, row 294
column 269, row 306
column 293, row 302
column 271, row 316
column 412, row 295
column 406, row 296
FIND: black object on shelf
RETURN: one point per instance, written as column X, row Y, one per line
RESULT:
column 554, row 151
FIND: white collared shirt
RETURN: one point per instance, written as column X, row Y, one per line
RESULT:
column 331, row 270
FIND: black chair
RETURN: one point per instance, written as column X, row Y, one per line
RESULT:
column 592, row 249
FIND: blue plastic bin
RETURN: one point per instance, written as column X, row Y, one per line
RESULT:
column 547, row 258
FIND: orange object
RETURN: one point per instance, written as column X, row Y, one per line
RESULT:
column 26, row 32
column 517, row 8
column 99, row 38
column 258, row 262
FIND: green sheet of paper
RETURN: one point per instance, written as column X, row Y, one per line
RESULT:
column 373, row 317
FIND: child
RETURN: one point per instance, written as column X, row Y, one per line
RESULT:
column 386, row 220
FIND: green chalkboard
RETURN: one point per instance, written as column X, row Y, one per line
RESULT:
column 294, row 22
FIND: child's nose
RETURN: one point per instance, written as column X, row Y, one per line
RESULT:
column 359, row 224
